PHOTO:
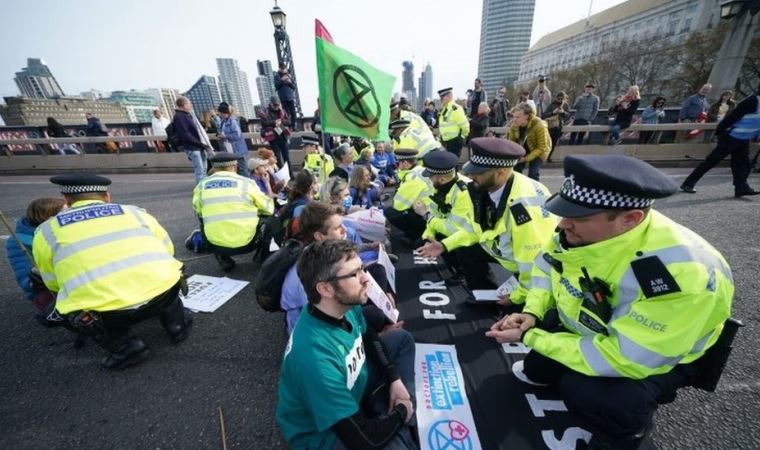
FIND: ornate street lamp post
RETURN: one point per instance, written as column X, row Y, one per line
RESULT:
column 284, row 54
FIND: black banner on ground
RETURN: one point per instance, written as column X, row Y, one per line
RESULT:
column 508, row 413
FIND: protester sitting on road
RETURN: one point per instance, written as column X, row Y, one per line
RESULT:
column 321, row 221
column 301, row 191
column 642, row 302
column 335, row 192
column 272, row 168
column 343, row 157
column 30, row 282
column 328, row 395
column 112, row 265
column 230, row 208
column 385, row 164
column 363, row 192
column 260, row 174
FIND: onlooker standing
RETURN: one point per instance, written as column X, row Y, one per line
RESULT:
column 531, row 133
column 722, row 107
column 211, row 124
column 586, row 107
column 693, row 107
column 192, row 137
column 652, row 116
column 231, row 137
column 556, row 116
column 158, row 124
column 96, row 128
column 543, row 100
column 286, row 91
column 477, row 96
column 499, row 109
column 624, row 109
column 479, row 123
column 55, row 130
column 542, row 86
column 274, row 129
column 525, row 98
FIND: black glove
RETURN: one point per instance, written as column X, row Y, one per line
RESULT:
column 35, row 279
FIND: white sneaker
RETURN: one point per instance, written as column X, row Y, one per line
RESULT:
column 518, row 370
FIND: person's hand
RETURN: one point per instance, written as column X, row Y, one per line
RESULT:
column 392, row 326
column 503, row 300
column 505, row 336
column 277, row 122
column 399, row 394
column 420, row 208
column 431, row 249
column 521, row 321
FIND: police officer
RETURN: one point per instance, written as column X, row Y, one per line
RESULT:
column 453, row 125
column 640, row 297
column 449, row 214
column 404, row 136
column 412, row 187
column 416, row 122
column 229, row 207
column 111, row 265
column 509, row 213
column 315, row 160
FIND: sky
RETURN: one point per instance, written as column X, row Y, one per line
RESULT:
column 117, row 45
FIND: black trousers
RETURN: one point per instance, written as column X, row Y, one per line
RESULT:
column 110, row 329
column 618, row 407
column 577, row 137
column 280, row 148
column 740, row 167
column 454, row 145
column 290, row 108
column 409, row 222
column 472, row 264
column 555, row 133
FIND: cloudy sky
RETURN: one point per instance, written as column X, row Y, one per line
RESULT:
column 110, row 44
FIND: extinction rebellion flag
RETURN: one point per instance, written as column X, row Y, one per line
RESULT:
column 354, row 97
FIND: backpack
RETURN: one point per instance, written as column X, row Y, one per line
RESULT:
column 172, row 137
column 272, row 274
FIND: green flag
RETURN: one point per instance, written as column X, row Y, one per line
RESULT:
column 354, row 97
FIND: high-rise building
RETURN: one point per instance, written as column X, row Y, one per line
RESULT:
column 407, row 83
column 638, row 20
column 505, row 28
column 37, row 81
column 233, row 84
column 19, row 111
column 265, row 81
column 166, row 98
column 425, row 86
column 204, row 95
column 139, row 105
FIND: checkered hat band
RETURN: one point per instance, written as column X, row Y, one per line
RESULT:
column 405, row 157
column 224, row 163
column 82, row 189
column 488, row 161
column 440, row 171
column 599, row 198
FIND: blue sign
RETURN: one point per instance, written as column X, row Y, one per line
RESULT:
column 445, row 385
column 93, row 212
column 449, row 434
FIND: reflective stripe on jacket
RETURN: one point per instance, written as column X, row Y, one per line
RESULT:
column 413, row 187
column 671, row 291
column 453, row 122
column 230, row 206
column 457, row 224
column 104, row 256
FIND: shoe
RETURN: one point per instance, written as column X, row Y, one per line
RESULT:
column 688, row 189
column 601, row 441
column 129, row 354
column 179, row 332
column 518, row 370
column 225, row 262
column 744, row 192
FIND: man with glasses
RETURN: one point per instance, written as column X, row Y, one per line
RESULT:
column 341, row 385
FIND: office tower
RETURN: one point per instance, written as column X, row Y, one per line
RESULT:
column 204, row 95
column 234, row 87
column 37, row 81
column 505, row 28
column 407, row 83
column 425, row 86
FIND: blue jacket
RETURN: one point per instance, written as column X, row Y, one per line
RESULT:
column 232, row 132
column 16, row 257
column 286, row 90
column 692, row 107
column 652, row 115
column 385, row 165
column 370, row 198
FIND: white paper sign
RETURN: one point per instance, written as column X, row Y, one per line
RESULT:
column 381, row 300
column 508, row 287
column 485, row 295
column 390, row 271
column 282, row 174
column 444, row 418
column 207, row 294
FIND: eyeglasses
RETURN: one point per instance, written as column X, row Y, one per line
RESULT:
column 352, row 274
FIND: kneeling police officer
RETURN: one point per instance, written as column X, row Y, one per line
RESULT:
column 111, row 265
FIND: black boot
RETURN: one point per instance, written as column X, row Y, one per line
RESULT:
column 177, row 320
column 225, row 262
column 130, row 353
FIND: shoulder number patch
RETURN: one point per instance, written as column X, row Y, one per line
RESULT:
column 520, row 213
column 653, row 277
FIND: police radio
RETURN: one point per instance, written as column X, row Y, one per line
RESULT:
column 595, row 294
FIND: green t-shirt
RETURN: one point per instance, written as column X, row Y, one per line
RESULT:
column 323, row 376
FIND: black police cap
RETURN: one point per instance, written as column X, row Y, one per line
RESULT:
column 595, row 183
column 81, row 183
column 405, row 154
column 439, row 162
column 488, row 153
column 310, row 139
column 223, row 159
